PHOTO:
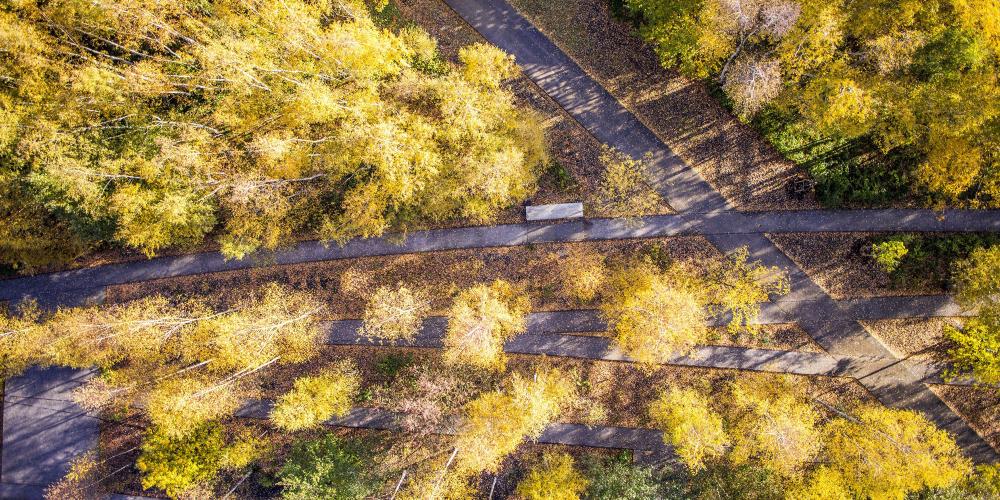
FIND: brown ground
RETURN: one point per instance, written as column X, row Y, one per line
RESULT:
column 979, row 406
column 599, row 382
column 730, row 155
column 345, row 284
column 916, row 338
column 838, row 263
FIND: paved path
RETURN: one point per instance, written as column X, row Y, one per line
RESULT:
column 43, row 430
column 72, row 287
column 644, row 441
column 559, row 334
column 687, row 192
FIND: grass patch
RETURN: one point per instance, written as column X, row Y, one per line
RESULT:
column 847, row 172
column 389, row 365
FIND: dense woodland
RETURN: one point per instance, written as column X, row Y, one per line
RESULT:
column 880, row 100
column 151, row 125
column 155, row 124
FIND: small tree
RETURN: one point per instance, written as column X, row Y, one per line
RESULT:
column 619, row 479
column 21, row 339
column 184, row 363
column 752, row 83
column 624, row 190
column 496, row 423
column 889, row 254
column 584, row 274
column 481, row 319
column 179, row 406
column 80, row 483
column 977, row 278
column 427, row 396
column 554, row 478
column 888, row 453
column 328, row 467
column 316, row 399
column 394, row 314
column 773, row 425
column 176, row 465
column 654, row 315
column 976, row 349
column 738, row 286
column 690, row 426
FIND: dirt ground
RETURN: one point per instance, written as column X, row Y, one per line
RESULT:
column 979, row 406
column 346, row 284
column 838, row 263
column 598, row 383
column 730, row 155
column 914, row 338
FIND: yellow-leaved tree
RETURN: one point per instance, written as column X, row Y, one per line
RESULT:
column 659, row 312
column 553, row 478
column 773, row 424
column 480, row 320
column 691, row 426
column 584, row 274
column 20, row 339
column 625, row 190
column 154, row 125
column 654, row 314
column 493, row 425
column 738, row 286
column 496, row 423
column 394, row 314
column 184, row 363
column 314, row 399
column 884, row 453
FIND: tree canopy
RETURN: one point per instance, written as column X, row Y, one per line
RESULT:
column 909, row 89
column 159, row 123
column 660, row 311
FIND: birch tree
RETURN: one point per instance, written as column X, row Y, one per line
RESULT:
column 155, row 124
column 480, row 321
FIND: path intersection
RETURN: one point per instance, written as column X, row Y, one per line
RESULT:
column 42, row 429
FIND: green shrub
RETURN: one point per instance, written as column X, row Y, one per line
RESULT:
column 560, row 177
column 746, row 482
column 930, row 259
column 328, row 467
column 888, row 254
column 391, row 364
column 174, row 465
column 618, row 479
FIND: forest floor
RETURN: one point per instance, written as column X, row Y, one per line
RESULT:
column 386, row 370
